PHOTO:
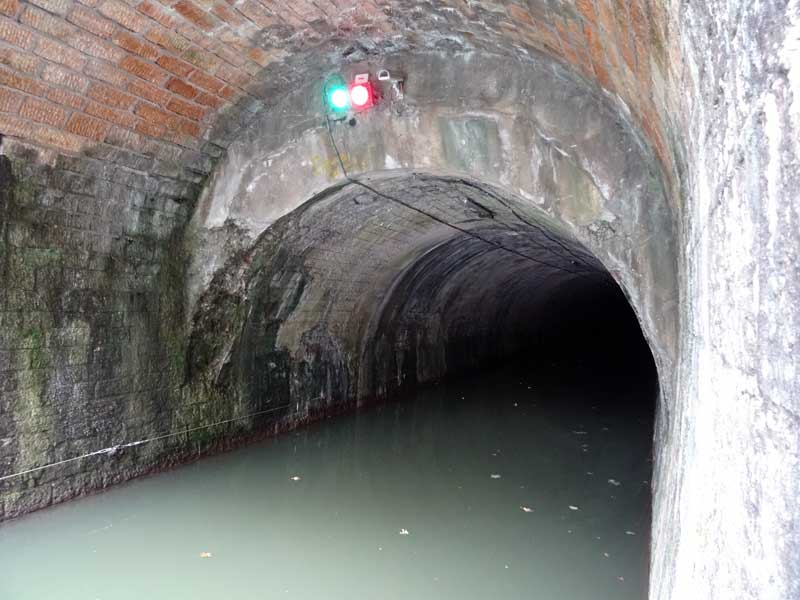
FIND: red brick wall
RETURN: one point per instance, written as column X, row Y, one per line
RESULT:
column 131, row 72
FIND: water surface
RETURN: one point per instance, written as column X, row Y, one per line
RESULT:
column 509, row 485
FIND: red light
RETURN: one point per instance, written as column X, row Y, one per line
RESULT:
column 361, row 95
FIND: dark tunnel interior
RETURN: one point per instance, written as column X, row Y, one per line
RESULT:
column 581, row 340
column 588, row 336
column 369, row 292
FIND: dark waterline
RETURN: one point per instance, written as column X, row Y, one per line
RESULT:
column 455, row 466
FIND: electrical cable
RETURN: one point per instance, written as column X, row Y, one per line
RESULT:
column 112, row 450
column 498, row 245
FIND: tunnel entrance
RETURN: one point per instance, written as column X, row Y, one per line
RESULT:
column 371, row 289
column 418, row 286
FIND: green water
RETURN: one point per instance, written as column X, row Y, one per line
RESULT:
column 453, row 467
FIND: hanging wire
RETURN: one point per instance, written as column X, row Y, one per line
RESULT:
column 589, row 270
column 112, row 450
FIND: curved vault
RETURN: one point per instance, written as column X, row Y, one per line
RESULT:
column 552, row 155
column 308, row 306
column 373, row 287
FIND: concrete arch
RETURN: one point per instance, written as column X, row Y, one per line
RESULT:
column 338, row 285
column 560, row 150
column 541, row 148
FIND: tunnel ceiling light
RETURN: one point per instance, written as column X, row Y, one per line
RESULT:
column 338, row 98
column 337, row 94
column 361, row 93
column 343, row 96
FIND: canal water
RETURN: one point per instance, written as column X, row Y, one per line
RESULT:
column 530, row 482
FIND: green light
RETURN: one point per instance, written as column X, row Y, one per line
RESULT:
column 338, row 98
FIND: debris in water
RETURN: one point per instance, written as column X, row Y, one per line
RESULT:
column 506, row 566
column 614, row 482
column 495, row 475
column 404, row 531
column 606, row 554
column 526, row 509
column 580, row 432
column 205, row 555
column 620, row 578
column 569, row 530
column 630, row 533
column 589, row 473
column 295, row 478
column 573, row 507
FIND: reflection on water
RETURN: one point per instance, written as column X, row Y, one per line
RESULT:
column 504, row 486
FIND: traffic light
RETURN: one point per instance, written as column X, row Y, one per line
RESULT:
column 358, row 95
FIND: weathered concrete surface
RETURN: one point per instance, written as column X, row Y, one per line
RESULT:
column 727, row 503
column 589, row 175
column 353, row 296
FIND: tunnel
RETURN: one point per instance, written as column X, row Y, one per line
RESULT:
column 412, row 289
column 372, row 289
column 572, row 221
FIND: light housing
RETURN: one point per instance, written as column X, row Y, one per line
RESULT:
column 337, row 94
column 362, row 94
column 338, row 98
column 342, row 98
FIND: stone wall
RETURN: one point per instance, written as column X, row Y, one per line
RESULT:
column 92, row 290
column 726, row 506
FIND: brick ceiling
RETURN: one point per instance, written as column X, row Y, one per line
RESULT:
column 174, row 80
